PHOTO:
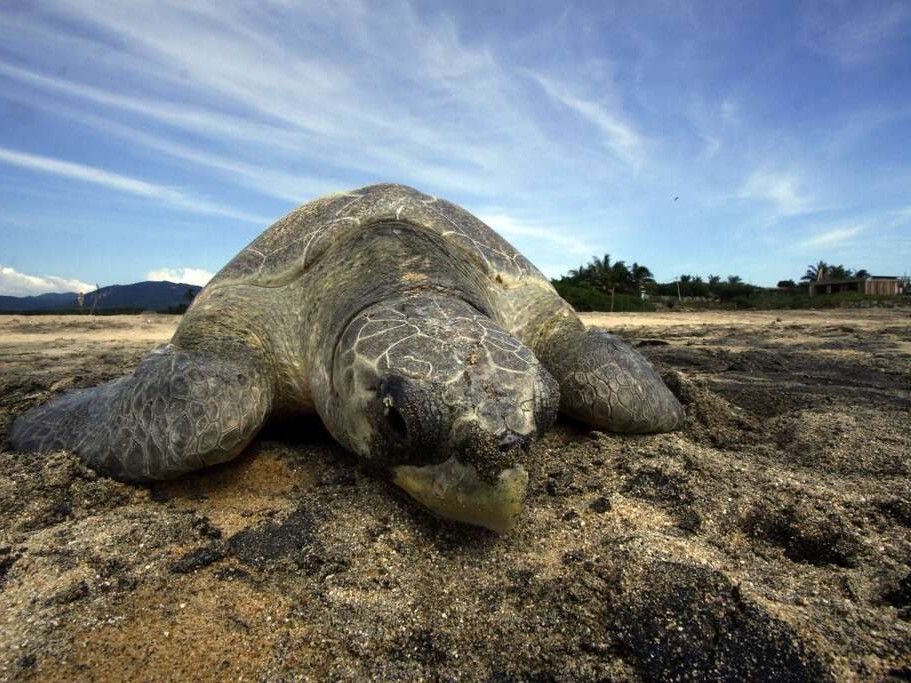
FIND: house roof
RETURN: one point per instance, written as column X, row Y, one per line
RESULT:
column 853, row 279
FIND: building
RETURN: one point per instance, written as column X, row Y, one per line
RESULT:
column 872, row 285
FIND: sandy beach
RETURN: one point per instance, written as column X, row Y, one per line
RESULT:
column 769, row 538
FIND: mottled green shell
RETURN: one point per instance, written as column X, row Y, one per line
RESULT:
column 288, row 248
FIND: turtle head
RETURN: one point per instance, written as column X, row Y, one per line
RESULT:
column 443, row 401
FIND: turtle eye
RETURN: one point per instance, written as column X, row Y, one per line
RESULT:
column 393, row 391
column 396, row 422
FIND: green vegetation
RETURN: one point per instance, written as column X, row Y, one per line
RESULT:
column 585, row 298
column 823, row 271
column 770, row 299
column 604, row 286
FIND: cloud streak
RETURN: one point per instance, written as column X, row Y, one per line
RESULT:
column 831, row 238
column 619, row 136
column 121, row 183
column 561, row 122
column 861, row 36
column 458, row 128
column 512, row 228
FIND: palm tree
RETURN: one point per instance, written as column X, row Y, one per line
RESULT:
column 734, row 280
column 838, row 272
column 817, row 272
column 577, row 274
column 683, row 283
column 601, row 273
column 641, row 275
column 623, row 278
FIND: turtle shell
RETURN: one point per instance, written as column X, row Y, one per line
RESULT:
column 292, row 244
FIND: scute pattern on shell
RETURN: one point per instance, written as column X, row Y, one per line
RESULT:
column 293, row 243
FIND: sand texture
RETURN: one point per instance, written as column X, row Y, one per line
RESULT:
column 771, row 538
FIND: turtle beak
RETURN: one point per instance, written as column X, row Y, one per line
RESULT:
column 454, row 491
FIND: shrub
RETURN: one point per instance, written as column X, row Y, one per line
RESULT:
column 588, row 299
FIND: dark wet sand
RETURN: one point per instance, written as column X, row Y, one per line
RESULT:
column 769, row 539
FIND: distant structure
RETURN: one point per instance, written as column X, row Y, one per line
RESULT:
column 871, row 285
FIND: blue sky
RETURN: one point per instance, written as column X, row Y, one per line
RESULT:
column 154, row 140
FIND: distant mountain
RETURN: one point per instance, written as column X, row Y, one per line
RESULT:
column 164, row 297
column 42, row 302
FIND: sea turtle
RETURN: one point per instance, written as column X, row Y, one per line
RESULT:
column 425, row 342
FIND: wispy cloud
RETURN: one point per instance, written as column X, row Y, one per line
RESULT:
column 510, row 227
column 831, row 237
column 122, row 183
column 584, row 116
column 466, row 112
column 730, row 111
column 858, row 33
column 619, row 135
column 291, row 124
column 190, row 276
column 783, row 190
column 14, row 283
column 315, row 102
column 712, row 122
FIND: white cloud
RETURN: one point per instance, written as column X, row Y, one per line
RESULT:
column 829, row 238
column 267, row 179
column 856, row 33
column 122, row 183
column 200, row 121
column 14, row 283
column 318, row 107
column 291, row 100
column 783, row 190
column 620, row 136
column 511, row 228
column 210, row 95
column 189, row 276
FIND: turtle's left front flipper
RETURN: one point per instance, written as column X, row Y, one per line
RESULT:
column 179, row 411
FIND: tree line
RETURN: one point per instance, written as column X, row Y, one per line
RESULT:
column 603, row 285
column 823, row 271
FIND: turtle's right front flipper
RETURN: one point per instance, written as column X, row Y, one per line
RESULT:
column 606, row 383
column 179, row 411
